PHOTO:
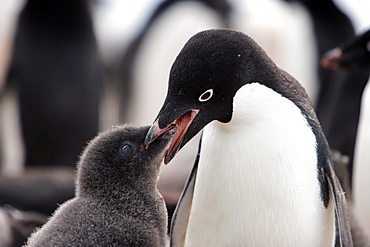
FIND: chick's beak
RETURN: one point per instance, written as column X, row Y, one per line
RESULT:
column 154, row 132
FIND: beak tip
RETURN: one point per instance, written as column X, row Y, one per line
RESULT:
column 154, row 132
column 150, row 136
column 166, row 160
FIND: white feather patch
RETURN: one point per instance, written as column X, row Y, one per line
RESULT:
column 257, row 178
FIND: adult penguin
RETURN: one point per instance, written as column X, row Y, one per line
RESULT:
column 338, row 96
column 56, row 69
column 263, row 176
column 354, row 56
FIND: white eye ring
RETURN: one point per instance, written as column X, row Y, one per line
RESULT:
column 206, row 95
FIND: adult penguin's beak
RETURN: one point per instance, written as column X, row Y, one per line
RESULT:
column 182, row 124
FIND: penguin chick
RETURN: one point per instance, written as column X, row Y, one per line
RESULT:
column 117, row 202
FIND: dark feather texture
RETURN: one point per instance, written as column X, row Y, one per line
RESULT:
column 117, row 202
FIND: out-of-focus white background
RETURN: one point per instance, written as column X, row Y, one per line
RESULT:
column 358, row 10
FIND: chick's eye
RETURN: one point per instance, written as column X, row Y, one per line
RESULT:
column 127, row 150
column 207, row 95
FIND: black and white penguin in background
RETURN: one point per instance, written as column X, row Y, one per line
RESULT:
column 339, row 100
column 117, row 202
column 354, row 56
column 263, row 176
column 55, row 67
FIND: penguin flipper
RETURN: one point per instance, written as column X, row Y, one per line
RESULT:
column 341, row 208
column 181, row 215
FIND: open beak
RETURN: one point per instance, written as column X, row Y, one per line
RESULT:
column 331, row 59
column 182, row 124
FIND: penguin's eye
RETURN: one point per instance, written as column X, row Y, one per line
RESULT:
column 127, row 150
column 368, row 46
column 207, row 95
